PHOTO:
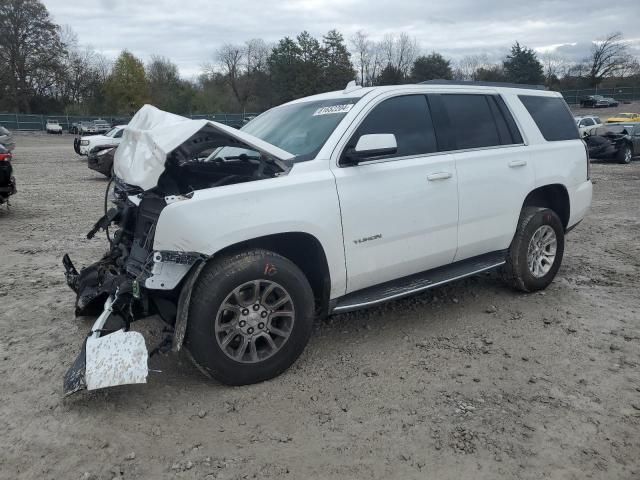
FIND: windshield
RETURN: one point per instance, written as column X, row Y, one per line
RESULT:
column 300, row 129
column 111, row 132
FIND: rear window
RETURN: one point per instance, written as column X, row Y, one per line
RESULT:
column 552, row 116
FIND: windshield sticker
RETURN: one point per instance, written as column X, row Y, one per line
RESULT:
column 333, row 109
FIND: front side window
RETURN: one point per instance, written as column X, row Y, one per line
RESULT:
column 408, row 118
column 552, row 116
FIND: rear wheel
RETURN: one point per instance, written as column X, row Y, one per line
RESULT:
column 250, row 317
column 536, row 251
column 625, row 154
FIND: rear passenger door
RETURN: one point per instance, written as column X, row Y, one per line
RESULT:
column 492, row 163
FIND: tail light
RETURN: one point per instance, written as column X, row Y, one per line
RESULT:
column 5, row 157
column 586, row 151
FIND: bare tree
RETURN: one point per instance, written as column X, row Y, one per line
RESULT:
column 468, row 66
column 256, row 53
column 609, row 56
column 363, row 48
column 233, row 60
column 554, row 66
column 399, row 52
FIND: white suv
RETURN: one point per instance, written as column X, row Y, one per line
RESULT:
column 326, row 204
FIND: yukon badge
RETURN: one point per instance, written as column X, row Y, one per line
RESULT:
column 367, row 239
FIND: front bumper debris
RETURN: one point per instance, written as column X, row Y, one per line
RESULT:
column 108, row 359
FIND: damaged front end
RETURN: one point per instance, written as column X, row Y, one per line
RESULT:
column 132, row 280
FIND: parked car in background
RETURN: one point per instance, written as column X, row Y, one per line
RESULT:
column 100, row 159
column 327, row 204
column 86, row 128
column 102, row 126
column 620, row 142
column 6, row 139
column 83, row 145
column 53, row 126
column 598, row 101
column 7, row 180
column 586, row 124
column 594, row 101
column 624, row 118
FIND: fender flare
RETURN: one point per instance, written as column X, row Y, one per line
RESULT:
column 184, row 301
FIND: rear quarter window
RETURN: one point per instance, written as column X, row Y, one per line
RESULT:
column 552, row 116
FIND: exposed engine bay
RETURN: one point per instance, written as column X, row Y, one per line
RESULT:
column 132, row 281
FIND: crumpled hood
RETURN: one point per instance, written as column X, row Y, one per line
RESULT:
column 153, row 134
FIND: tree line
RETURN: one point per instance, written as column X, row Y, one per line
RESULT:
column 44, row 69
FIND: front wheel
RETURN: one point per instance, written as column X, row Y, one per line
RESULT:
column 250, row 317
column 536, row 251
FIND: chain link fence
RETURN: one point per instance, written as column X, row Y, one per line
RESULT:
column 18, row 121
column 622, row 94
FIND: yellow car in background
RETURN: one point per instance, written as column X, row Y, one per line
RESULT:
column 624, row 117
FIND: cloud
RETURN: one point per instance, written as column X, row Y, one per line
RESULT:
column 189, row 31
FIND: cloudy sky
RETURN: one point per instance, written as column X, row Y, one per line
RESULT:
column 189, row 31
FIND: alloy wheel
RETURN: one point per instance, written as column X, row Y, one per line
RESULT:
column 254, row 321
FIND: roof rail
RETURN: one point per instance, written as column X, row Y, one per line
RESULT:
column 470, row 83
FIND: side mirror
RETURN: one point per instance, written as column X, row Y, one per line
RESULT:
column 371, row 146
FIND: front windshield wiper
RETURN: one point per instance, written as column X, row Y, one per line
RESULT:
column 243, row 156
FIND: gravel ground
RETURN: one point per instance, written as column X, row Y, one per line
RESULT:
column 471, row 380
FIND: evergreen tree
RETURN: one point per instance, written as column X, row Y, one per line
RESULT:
column 431, row 67
column 309, row 76
column 338, row 69
column 284, row 65
column 522, row 66
column 390, row 75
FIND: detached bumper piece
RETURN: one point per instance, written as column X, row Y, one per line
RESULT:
column 108, row 359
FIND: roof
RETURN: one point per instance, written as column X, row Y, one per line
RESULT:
column 484, row 84
column 433, row 86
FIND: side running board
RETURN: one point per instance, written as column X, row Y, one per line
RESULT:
column 419, row 282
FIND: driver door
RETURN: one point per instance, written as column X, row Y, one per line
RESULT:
column 399, row 211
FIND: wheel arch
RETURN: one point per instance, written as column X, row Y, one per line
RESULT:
column 302, row 248
column 554, row 196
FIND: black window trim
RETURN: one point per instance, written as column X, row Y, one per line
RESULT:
column 430, row 96
column 353, row 128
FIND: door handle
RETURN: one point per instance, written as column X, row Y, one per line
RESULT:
column 517, row 163
column 439, row 176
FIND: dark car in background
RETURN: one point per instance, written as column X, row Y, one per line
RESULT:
column 7, row 181
column 6, row 139
column 616, row 141
column 100, row 159
column 598, row 101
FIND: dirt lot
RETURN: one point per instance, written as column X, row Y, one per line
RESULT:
column 468, row 381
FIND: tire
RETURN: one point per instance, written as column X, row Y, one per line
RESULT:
column 517, row 271
column 625, row 154
column 216, row 285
